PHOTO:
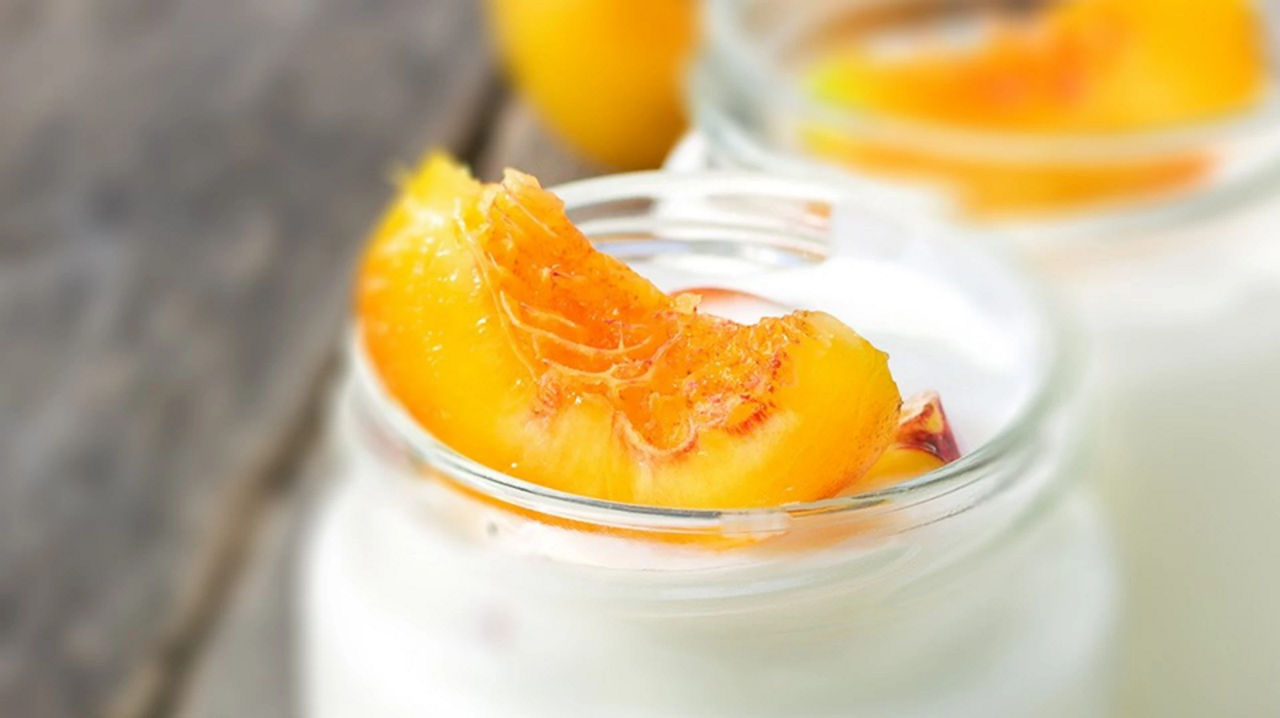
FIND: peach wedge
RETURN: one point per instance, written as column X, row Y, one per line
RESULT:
column 498, row 326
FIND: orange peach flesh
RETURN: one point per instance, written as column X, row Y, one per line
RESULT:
column 501, row 330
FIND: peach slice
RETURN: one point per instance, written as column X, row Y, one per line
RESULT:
column 493, row 321
column 923, row 442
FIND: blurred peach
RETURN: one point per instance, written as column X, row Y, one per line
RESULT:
column 605, row 75
column 1079, row 68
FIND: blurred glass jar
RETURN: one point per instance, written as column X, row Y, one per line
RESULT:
column 1142, row 260
column 435, row 586
column 769, row 91
column 1177, row 283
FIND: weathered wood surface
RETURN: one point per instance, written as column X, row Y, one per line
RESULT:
column 248, row 668
column 518, row 140
column 183, row 185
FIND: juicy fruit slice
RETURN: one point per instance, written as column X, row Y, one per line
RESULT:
column 498, row 326
column 923, row 442
column 1081, row 66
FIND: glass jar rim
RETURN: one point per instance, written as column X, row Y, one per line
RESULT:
column 971, row 473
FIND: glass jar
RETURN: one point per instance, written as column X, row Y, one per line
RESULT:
column 436, row 586
column 1179, row 292
column 753, row 97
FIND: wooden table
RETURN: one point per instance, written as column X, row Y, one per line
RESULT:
column 184, row 186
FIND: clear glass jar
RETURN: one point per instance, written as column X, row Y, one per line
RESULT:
column 436, row 586
column 1179, row 294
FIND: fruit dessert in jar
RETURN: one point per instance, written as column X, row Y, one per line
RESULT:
column 1175, row 275
column 655, row 472
column 1004, row 110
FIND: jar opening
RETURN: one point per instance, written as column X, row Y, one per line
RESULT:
column 701, row 218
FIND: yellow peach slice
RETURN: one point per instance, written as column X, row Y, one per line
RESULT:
column 493, row 321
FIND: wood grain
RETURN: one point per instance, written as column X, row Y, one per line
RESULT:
column 183, row 185
column 248, row 668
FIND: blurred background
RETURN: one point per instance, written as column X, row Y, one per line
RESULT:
column 184, row 188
